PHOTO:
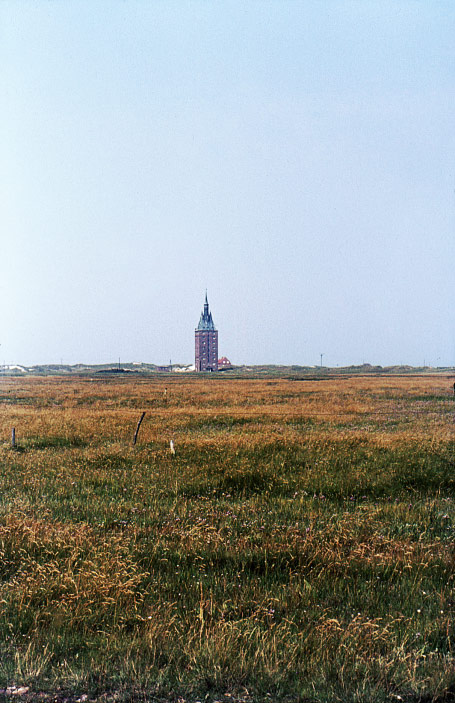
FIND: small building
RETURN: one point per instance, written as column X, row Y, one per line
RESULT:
column 224, row 363
column 206, row 341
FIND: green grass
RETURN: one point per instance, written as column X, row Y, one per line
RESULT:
column 290, row 558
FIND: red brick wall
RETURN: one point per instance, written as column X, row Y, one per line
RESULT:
column 206, row 350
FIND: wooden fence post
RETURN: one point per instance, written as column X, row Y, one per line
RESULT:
column 13, row 438
column 137, row 428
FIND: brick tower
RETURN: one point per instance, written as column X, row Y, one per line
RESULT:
column 206, row 342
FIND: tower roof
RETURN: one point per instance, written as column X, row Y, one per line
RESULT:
column 206, row 321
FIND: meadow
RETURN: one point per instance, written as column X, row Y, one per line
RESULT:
column 299, row 545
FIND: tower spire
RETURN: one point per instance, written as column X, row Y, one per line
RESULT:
column 206, row 321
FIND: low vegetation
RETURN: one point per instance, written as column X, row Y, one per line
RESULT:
column 299, row 545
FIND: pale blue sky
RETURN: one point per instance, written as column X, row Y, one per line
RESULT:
column 294, row 158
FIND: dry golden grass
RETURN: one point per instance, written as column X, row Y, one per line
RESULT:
column 300, row 543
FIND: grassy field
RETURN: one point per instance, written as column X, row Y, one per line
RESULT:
column 298, row 546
